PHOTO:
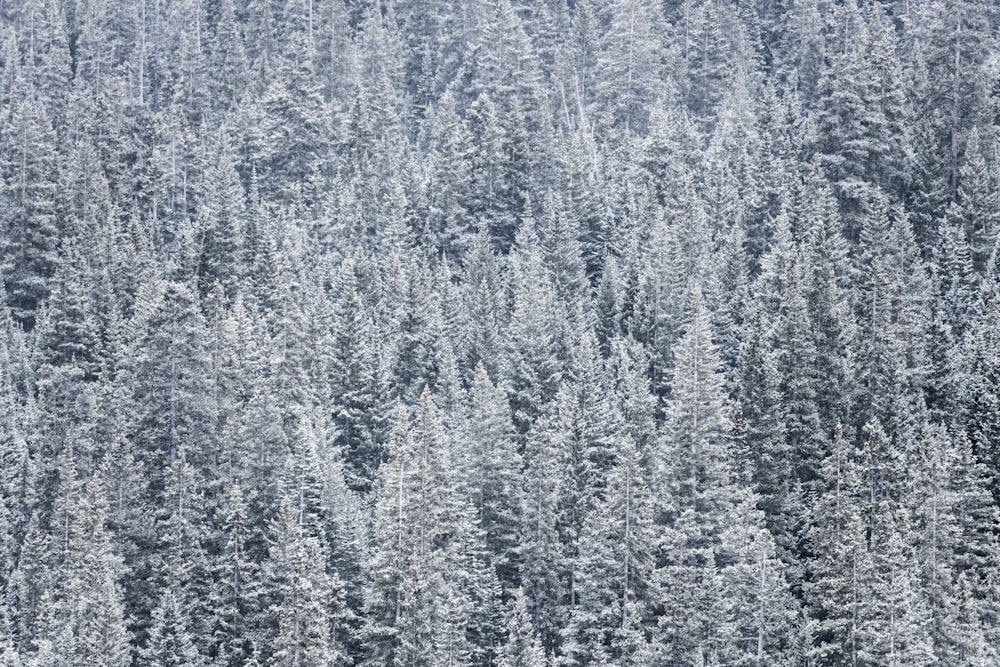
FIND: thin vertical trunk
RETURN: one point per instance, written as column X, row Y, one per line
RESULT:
column 953, row 175
column 399, row 536
column 628, row 541
column 854, row 610
column 631, row 57
column 142, row 53
column 760, row 620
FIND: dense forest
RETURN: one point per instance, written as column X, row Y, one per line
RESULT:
column 500, row 333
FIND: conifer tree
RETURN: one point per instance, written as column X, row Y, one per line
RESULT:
column 523, row 648
column 484, row 307
column 613, row 616
column 836, row 591
column 357, row 388
column 698, row 426
column 955, row 39
column 93, row 591
column 976, row 203
column 410, row 596
column 172, row 388
column 235, row 593
column 31, row 227
column 627, row 66
column 304, row 593
column 227, row 58
column 221, row 242
column 293, row 159
column 704, row 553
column 533, row 362
column 483, row 334
column 494, row 469
column 826, row 287
column 170, row 641
column 539, row 545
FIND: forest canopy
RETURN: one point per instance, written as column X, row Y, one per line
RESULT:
column 499, row 333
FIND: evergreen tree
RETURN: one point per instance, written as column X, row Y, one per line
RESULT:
column 303, row 591
column 410, row 596
column 612, row 618
column 976, row 197
column 840, row 567
column 292, row 160
column 954, row 39
column 628, row 78
column 826, row 274
column 170, row 641
column 533, row 363
column 31, row 227
column 494, row 472
column 235, row 594
column 712, row 540
column 357, row 389
column 221, row 254
column 523, row 648
column 539, row 543
column 93, row 590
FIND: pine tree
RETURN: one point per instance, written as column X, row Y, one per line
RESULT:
column 982, row 398
column 473, row 611
column 826, row 287
column 221, row 254
column 628, row 77
column 977, row 200
column 409, row 598
column 494, row 472
column 539, row 546
column 533, row 363
column 612, row 619
column 227, row 58
column 892, row 316
column 31, row 227
column 761, row 425
column 698, row 426
column 952, row 488
column 523, row 648
column 796, row 361
column 9, row 656
column 955, row 37
column 587, row 424
column 564, row 255
column 293, row 159
column 357, row 388
column 449, row 226
column 494, row 197
column 235, row 593
column 180, row 562
column 46, row 50
column 172, row 388
column 16, row 461
column 70, row 328
column 484, row 307
column 706, row 56
column 303, row 592
column 712, row 541
column 658, row 313
column 94, row 594
column 836, row 584
column 896, row 632
column 608, row 305
column 170, row 641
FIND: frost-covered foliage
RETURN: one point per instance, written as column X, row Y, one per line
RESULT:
column 500, row 333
